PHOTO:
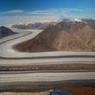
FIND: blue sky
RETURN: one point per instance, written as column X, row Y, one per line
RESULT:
column 15, row 11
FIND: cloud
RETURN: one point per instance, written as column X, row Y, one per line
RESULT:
column 17, row 19
column 75, row 9
column 44, row 12
column 40, row 15
column 64, row 11
column 41, row 12
column 12, row 12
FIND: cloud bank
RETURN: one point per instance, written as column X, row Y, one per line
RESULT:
column 16, row 16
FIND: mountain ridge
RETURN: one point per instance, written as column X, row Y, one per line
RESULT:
column 33, row 25
column 64, row 36
column 4, row 31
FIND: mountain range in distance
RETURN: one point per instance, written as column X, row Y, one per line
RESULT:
column 45, row 24
column 4, row 32
column 34, row 25
column 76, row 35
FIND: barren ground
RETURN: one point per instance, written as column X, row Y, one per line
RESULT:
column 49, row 67
column 73, row 90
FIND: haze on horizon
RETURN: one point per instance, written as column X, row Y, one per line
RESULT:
column 16, row 11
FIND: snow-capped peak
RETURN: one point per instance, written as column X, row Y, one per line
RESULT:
column 76, row 20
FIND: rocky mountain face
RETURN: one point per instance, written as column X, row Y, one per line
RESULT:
column 4, row 31
column 90, row 22
column 65, row 36
column 36, row 25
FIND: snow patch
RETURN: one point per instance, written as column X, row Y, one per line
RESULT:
column 76, row 20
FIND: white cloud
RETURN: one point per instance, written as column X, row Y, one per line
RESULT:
column 41, row 12
column 17, row 19
column 75, row 9
column 53, row 11
column 12, row 12
column 44, row 12
column 40, row 15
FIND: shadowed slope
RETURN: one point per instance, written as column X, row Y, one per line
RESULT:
column 4, row 31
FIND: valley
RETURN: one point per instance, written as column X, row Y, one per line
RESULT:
column 32, row 71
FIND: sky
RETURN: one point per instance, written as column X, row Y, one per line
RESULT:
column 16, row 11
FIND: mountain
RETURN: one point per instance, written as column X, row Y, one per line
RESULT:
column 4, row 31
column 90, row 22
column 77, row 20
column 65, row 36
column 34, row 25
